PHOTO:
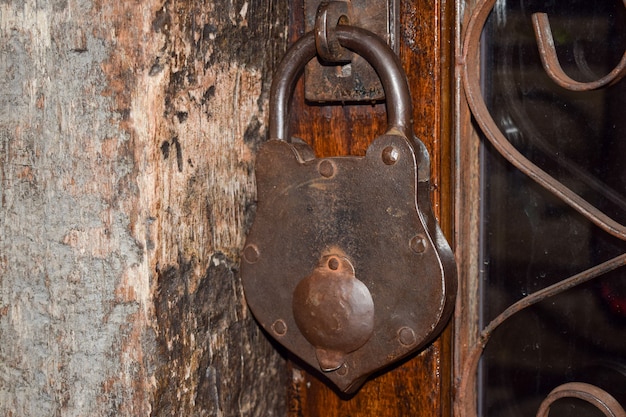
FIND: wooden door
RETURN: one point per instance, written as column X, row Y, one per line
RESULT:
column 127, row 140
column 537, row 237
column 420, row 386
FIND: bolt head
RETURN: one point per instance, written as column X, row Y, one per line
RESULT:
column 279, row 327
column 251, row 254
column 406, row 336
column 326, row 168
column 418, row 244
column 390, row 155
column 343, row 370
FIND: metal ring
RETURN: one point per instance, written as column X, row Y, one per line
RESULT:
column 328, row 47
column 363, row 42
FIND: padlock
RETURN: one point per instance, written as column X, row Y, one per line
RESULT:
column 345, row 264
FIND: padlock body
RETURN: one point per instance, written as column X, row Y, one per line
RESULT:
column 366, row 210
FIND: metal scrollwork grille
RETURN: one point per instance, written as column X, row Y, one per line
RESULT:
column 470, row 62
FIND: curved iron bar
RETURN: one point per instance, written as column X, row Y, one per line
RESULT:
column 551, row 65
column 470, row 62
column 599, row 398
column 569, row 166
column 468, row 378
column 365, row 43
column 471, row 81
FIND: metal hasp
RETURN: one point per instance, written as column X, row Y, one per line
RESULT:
column 344, row 76
column 345, row 264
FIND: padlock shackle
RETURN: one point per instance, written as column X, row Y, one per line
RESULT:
column 366, row 44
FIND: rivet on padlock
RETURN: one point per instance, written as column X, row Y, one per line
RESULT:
column 345, row 264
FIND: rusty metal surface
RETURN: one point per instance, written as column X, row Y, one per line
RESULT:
column 595, row 396
column 362, row 208
column 345, row 264
column 333, row 310
column 469, row 62
column 551, row 65
column 369, row 46
column 471, row 82
column 356, row 81
column 329, row 49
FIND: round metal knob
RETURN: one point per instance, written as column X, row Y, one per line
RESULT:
column 334, row 311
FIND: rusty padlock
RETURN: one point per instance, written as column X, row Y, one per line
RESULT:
column 345, row 264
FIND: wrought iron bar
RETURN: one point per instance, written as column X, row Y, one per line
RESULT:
column 471, row 81
column 470, row 65
column 467, row 394
column 550, row 60
column 597, row 397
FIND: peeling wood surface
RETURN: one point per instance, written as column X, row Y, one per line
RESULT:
column 127, row 140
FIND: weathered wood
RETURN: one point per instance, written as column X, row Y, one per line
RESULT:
column 127, row 139
column 420, row 386
column 467, row 221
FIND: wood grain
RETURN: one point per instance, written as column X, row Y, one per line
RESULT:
column 127, row 140
column 421, row 385
column 467, row 143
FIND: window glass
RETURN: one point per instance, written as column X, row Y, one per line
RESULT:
column 530, row 239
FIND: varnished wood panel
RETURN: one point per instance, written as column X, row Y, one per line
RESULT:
column 421, row 385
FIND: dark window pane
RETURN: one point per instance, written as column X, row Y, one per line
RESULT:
column 530, row 238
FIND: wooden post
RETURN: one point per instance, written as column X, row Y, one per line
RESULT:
column 127, row 138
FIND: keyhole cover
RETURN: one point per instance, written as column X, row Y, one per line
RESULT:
column 334, row 311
